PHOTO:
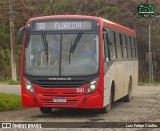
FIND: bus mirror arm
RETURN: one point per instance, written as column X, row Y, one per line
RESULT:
column 21, row 30
column 107, row 63
column 107, row 59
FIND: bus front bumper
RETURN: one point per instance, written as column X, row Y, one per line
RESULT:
column 89, row 101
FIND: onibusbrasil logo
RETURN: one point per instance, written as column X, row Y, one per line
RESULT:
column 146, row 10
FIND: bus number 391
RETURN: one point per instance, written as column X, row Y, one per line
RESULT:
column 80, row 90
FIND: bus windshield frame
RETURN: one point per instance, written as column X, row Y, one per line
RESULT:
column 67, row 63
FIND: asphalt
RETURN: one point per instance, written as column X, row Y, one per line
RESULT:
column 10, row 89
column 143, row 107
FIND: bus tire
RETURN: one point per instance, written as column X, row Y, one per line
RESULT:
column 45, row 109
column 127, row 98
column 107, row 108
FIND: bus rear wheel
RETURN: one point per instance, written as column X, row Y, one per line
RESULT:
column 127, row 98
column 45, row 109
column 107, row 108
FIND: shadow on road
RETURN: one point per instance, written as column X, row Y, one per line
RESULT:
column 75, row 113
column 69, row 113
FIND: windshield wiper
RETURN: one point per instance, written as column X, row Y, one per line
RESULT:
column 70, row 53
column 45, row 46
column 75, row 43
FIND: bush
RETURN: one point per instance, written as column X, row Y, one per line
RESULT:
column 9, row 101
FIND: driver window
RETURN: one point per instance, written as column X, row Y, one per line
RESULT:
column 106, row 49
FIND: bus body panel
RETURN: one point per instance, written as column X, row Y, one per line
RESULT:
column 98, row 99
column 44, row 98
column 130, row 69
column 118, row 27
column 107, row 88
column 120, row 71
column 111, row 75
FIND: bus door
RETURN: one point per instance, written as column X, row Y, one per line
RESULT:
column 107, row 73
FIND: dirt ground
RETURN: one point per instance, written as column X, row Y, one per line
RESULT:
column 144, row 107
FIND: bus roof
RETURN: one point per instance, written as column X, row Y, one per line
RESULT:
column 118, row 27
column 105, row 22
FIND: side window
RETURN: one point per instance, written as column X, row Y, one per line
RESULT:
column 129, row 46
column 133, row 47
column 107, row 41
column 119, row 45
column 136, row 52
column 106, row 49
column 112, row 46
column 124, row 43
column 117, row 39
column 111, row 37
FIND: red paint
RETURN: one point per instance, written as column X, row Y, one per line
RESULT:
column 45, row 96
column 74, row 100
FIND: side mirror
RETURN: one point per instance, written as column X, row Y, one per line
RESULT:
column 20, row 34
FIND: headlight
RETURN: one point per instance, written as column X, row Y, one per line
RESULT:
column 28, row 86
column 93, row 86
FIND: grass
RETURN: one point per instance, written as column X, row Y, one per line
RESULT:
column 10, row 82
column 148, row 84
column 9, row 101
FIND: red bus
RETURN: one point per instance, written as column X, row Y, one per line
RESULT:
column 76, row 61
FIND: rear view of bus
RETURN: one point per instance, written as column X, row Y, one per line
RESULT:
column 63, row 63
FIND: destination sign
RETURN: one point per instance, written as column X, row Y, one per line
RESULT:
column 61, row 25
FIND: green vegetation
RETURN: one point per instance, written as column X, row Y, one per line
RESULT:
column 9, row 101
column 10, row 82
column 148, row 84
column 4, row 52
column 119, row 11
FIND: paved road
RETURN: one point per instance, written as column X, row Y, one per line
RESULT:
column 144, row 107
column 10, row 89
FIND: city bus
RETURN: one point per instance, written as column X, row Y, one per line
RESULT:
column 77, row 61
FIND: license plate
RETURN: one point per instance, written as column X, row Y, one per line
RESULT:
column 59, row 100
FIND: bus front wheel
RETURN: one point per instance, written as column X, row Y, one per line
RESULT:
column 45, row 110
column 107, row 108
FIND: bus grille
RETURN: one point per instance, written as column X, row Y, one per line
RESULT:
column 59, row 84
column 53, row 94
column 47, row 98
column 47, row 102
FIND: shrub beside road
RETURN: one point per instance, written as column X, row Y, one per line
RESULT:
column 9, row 82
column 9, row 101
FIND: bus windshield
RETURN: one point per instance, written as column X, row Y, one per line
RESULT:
column 58, row 59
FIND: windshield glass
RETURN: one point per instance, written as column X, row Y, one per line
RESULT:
column 59, row 60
